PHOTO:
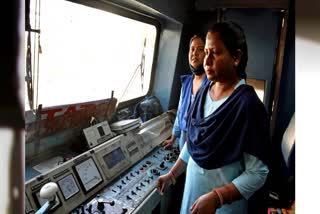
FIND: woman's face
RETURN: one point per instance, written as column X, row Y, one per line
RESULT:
column 218, row 63
column 196, row 53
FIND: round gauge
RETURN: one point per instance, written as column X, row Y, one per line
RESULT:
column 88, row 174
column 68, row 186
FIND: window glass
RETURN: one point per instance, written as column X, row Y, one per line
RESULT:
column 85, row 53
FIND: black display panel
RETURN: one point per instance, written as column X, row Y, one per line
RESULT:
column 114, row 157
column 101, row 132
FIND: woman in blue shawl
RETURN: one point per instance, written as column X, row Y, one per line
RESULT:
column 227, row 132
column 190, row 86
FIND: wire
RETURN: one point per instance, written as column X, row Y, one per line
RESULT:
column 141, row 66
column 39, row 51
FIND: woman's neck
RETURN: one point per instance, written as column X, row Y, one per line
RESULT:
column 196, row 83
column 199, row 77
column 223, row 89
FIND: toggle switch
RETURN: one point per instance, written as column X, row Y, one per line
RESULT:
column 148, row 162
column 162, row 165
column 89, row 209
column 124, row 210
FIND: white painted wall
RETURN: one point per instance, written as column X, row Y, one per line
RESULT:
column 307, row 105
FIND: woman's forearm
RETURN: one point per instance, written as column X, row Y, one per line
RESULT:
column 178, row 168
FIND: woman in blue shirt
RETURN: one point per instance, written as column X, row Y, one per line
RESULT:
column 228, row 132
column 190, row 86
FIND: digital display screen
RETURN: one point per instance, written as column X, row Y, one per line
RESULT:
column 88, row 174
column 101, row 132
column 114, row 157
column 68, row 186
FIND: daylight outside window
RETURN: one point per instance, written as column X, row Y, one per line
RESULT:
column 83, row 53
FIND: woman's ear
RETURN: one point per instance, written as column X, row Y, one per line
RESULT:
column 237, row 57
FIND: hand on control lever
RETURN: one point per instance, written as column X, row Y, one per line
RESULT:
column 168, row 143
column 163, row 182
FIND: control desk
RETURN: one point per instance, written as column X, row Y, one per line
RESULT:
column 116, row 176
column 129, row 191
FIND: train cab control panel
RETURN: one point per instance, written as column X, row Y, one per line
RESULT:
column 128, row 162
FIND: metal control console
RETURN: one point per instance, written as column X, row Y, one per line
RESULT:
column 92, row 178
column 126, row 193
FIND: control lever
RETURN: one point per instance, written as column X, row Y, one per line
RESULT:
column 48, row 192
column 111, row 203
column 89, row 209
column 82, row 209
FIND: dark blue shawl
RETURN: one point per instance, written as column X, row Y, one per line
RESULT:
column 240, row 124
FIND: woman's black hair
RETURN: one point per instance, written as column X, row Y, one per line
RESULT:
column 233, row 38
column 198, row 36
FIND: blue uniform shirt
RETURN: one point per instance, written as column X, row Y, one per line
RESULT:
column 185, row 100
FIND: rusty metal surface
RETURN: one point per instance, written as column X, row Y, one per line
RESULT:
column 74, row 117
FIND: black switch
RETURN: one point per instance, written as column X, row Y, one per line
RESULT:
column 128, row 197
column 133, row 193
column 89, row 209
column 161, row 165
column 112, row 203
column 100, row 206
column 124, row 210
column 137, row 188
column 82, row 209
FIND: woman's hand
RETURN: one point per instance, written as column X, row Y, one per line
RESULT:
column 163, row 182
column 207, row 203
column 168, row 143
